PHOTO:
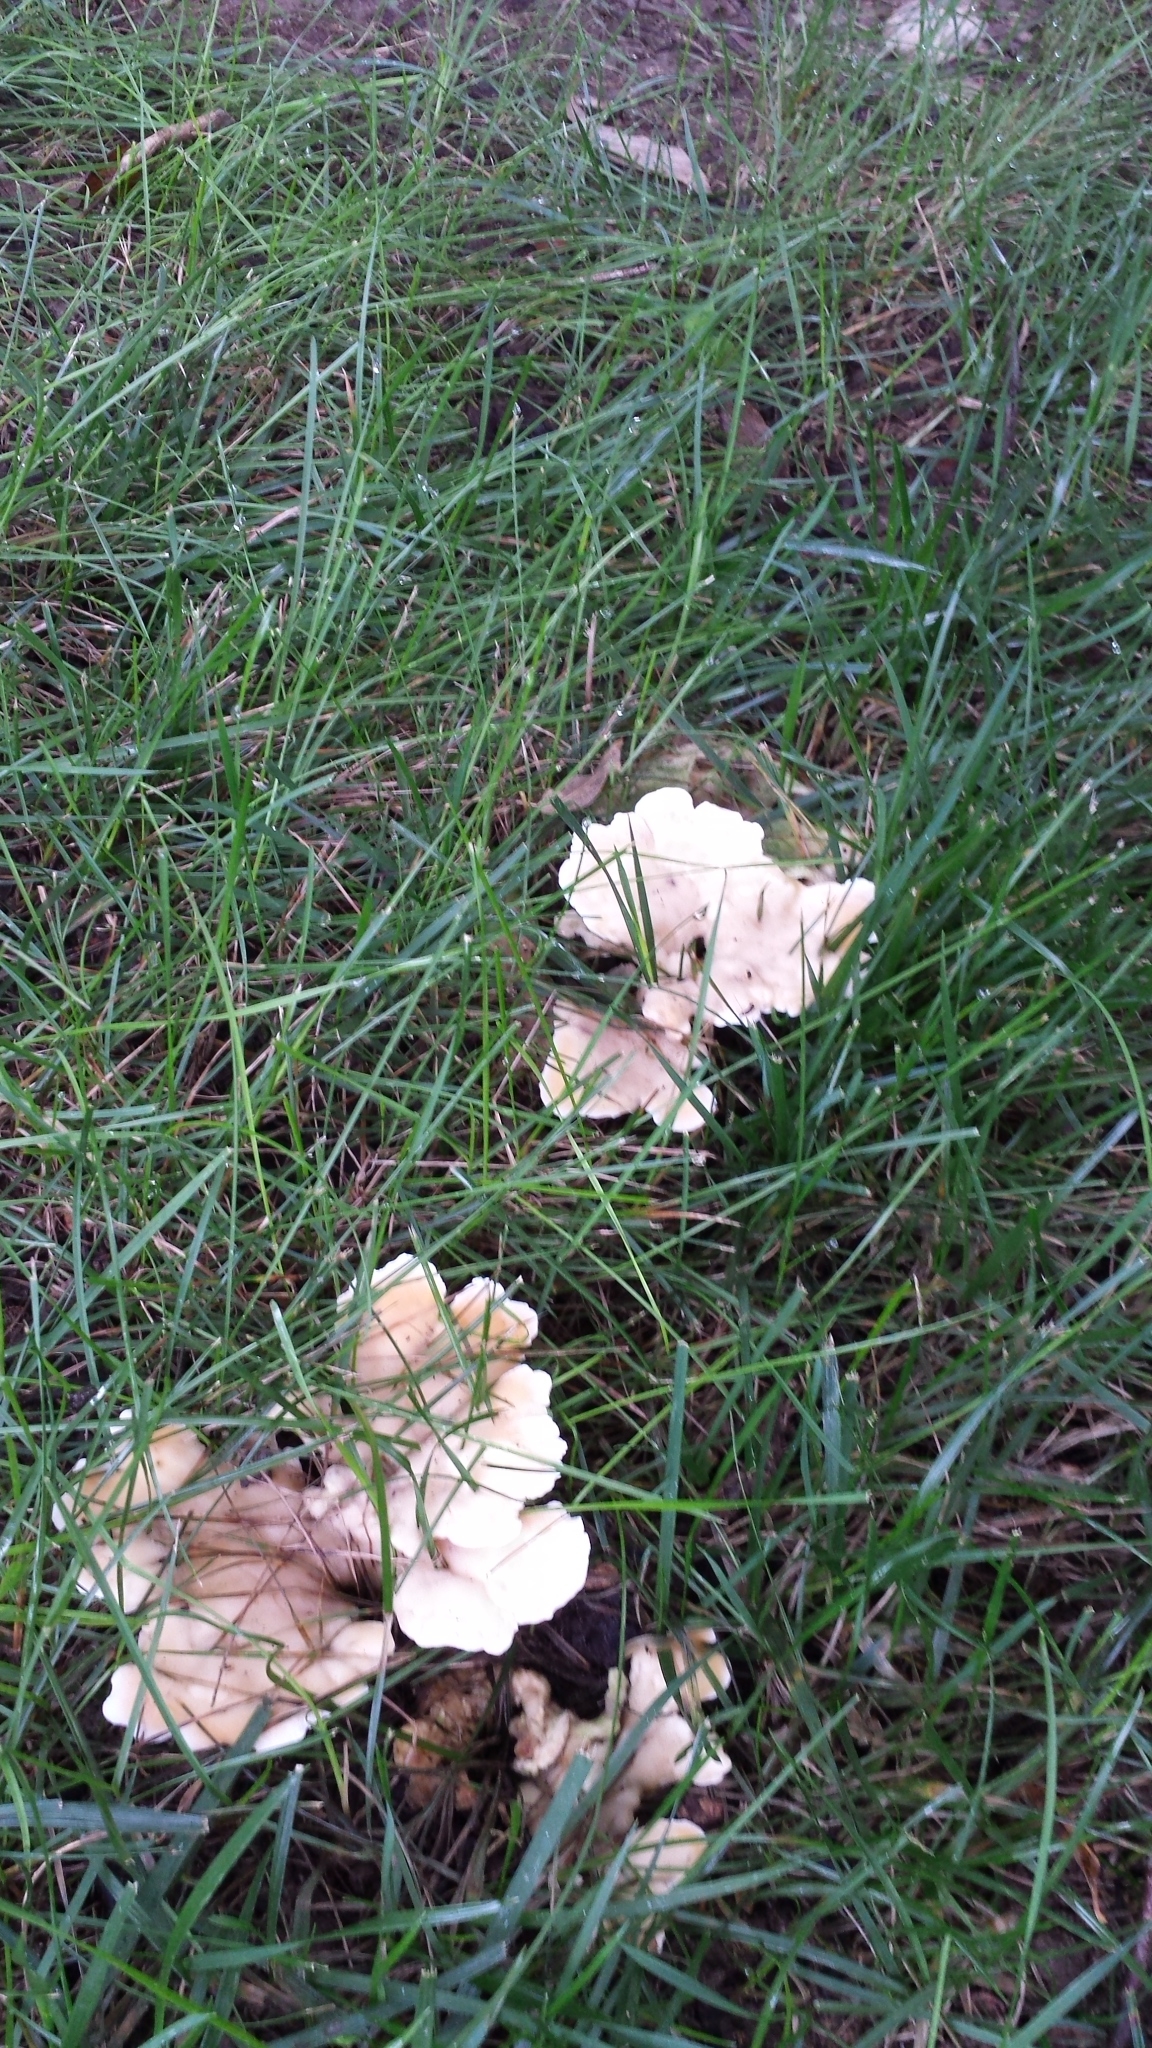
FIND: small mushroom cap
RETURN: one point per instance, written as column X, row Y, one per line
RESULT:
column 663, row 1755
column 662, row 1855
column 548, row 1737
column 677, row 884
column 651, row 1658
column 540, row 1730
column 473, row 1482
column 942, row 28
column 476, row 1599
column 605, row 1067
column 139, row 1474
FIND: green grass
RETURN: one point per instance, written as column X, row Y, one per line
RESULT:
column 277, row 914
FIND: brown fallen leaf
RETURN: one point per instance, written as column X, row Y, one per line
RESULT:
column 752, row 429
column 667, row 159
column 1088, row 1864
column 580, row 792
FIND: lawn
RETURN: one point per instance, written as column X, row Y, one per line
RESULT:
column 369, row 467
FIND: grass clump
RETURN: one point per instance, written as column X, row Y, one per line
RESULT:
column 368, row 468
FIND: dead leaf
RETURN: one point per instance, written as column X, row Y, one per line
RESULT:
column 752, row 429
column 129, row 162
column 666, row 159
column 1088, row 1864
column 581, row 791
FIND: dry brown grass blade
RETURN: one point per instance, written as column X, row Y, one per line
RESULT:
column 94, row 184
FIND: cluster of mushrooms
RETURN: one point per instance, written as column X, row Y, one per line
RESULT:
column 722, row 934
column 437, row 1456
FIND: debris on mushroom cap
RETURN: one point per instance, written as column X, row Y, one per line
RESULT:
column 665, row 1751
column 683, row 887
column 941, row 28
column 449, row 1710
column 242, row 1617
column 605, row 1067
column 463, row 1438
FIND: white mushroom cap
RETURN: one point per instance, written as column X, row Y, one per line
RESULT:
column 537, row 1574
column 650, row 1657
column 415, row 1349
column 136, row 1475
column 942, row 28
column 663, row 1748
column 476, row 1599
column 511, row 1456
column 132, row 1570
column 606, row 1067
column 245, row 1620
column 662, row 1855
column 674, row 883
column 439, row 1608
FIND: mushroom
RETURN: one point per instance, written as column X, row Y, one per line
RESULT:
column 240, row 1616
column 658, row 1745
column 723, row 936
column 941, row 28
column 661, row 1856
column 606, row 1067
column 129, row 1555
column 682, row 886
column 462, row 1440
column 248, row 1579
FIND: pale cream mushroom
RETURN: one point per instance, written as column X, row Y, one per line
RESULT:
column 690, row 1663
column 463, row 1438
column 722, row 933
column 661, row 1856
column 415, row 1349
column 476, row 1598
column 941, row 28
column 241, row 1617
column 604, row 1067
column 128, row 1556
column 658, row 1745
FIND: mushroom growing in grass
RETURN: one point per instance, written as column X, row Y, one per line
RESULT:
column 249, row 1580
column 461, row 1452
column 240, row 1618
column 605, row 1067
column 723, row 935
column 651, row 1737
